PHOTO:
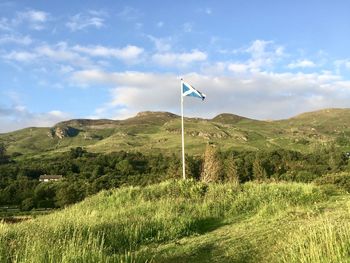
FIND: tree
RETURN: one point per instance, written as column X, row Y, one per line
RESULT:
column 125, row 167
column 2, row 149
column 259, row 170
column 192, row 167
column 231, row 170
column 3, row 157
column 27, row 204
column 212, row 167
column 69, row 193
column 174, row 168
column 77, row 152
column 45, row 194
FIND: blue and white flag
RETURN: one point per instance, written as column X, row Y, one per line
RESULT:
column 188, row 90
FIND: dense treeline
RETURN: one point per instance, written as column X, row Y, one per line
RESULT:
column 87, row 173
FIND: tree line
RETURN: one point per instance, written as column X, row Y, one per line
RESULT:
column 86, row 173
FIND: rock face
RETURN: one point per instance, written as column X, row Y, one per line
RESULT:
column 63, row 132
column 92, row 136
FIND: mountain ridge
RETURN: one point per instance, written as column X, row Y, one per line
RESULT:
column 153, row 132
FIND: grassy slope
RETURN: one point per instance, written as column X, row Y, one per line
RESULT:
column 190, row 222
column 157, row 131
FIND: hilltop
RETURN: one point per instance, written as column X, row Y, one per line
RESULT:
column 160, row 132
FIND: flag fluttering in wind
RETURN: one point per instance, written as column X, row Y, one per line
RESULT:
column 186, row 90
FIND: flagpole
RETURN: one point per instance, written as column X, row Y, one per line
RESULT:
column 182, row 133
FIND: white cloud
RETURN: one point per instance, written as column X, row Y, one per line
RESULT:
column 63, row 56
column 263, row 55
column 15, row 39
column 261, row 95
column 18, row 117
column 35, row 18
column 342, row 63
column 238, row 67
column 160, row 24
column 83, row 21
column 5, row 24
column 129, row 53
column 179, row 59
column 212, row 69
column 21, row 56
column 161, row 44
column 62, row 53
column 303, row 63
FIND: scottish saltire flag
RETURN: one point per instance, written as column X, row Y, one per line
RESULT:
column 188, row 90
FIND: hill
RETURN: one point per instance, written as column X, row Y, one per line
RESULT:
column 152, row 132
column 187, row 221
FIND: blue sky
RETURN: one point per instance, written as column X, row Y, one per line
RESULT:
column 111, row 59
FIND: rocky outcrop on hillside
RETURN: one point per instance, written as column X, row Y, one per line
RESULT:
column 62, row 132
column 205, row 135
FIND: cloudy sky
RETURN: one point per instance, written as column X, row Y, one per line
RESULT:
column 111, row 59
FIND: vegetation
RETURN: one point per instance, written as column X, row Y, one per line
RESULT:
column 188, row 221
column 86, row 173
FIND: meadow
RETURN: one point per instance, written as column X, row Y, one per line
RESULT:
column 189, row 221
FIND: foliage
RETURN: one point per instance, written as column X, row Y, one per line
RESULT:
column 90, row 173
column 77, row 152
column 136, row 223
column 212, row 165
column 3, row 157
column 341, row 180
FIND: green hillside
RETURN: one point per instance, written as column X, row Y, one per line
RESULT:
column 151, row 132
column 187, row 221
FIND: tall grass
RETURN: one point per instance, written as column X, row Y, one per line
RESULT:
column 114, row 224
column 325, row 240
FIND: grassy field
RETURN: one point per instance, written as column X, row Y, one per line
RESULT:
column 187, row 221
column 153, row 132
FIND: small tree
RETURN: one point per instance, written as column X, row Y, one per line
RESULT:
column 192, row 167
column 77, row 152
column 259, row 170
column 69, row 193
column 212, row 167
column 231, row 170
column 125, row 167
column 3, row 157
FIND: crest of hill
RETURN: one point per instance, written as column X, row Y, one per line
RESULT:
column 330, row 121
column 229, row 118
column 151, row 117
column 78, row 123
column 324, row 114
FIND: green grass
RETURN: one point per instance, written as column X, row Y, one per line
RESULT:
column 187, row 221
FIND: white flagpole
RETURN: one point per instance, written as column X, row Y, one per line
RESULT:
column 182, row 133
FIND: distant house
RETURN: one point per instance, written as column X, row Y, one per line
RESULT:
column 50, row 178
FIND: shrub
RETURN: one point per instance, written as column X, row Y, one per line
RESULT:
column 27, row 204
column 341, row 180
